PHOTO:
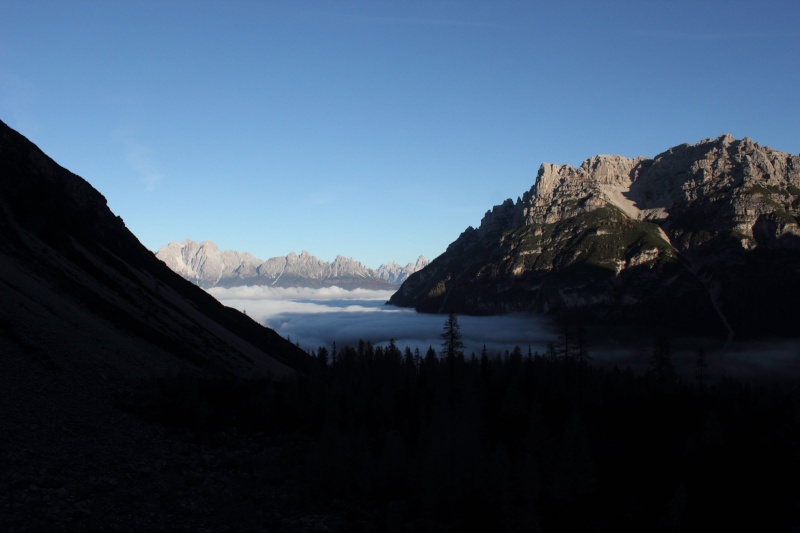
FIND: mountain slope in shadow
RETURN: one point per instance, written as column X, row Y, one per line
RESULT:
column 81, row 292
column 92, row 326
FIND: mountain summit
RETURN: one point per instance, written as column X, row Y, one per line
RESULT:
column 204, row 264
column 701, row 237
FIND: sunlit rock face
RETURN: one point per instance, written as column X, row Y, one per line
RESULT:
column 204, row 264
column 397, row 274
column 701, row 237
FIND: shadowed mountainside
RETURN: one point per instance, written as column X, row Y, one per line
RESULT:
column 91, row 321
column 79, row 290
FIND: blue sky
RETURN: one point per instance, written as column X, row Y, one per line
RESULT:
column 376, row 130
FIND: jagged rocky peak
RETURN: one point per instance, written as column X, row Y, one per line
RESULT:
column 600, row 170
column 506, row 215
column 674, row 232
column 644, row 188
column 305, row 265
column 561, row 190
column 347, row 266
column 724, row 161
column 207, row 266
column 395, row 273
column 204, row 263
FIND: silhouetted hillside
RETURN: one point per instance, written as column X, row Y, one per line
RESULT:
column 88, row 319
column 79, row 288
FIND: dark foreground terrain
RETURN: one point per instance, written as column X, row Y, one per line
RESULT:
column 73, row 461
column 378, row 440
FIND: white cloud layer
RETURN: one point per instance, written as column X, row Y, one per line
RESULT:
column 266, row 292
column 320, row 317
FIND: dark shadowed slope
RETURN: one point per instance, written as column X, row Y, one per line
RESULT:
column 90, row 320
column 80, row 291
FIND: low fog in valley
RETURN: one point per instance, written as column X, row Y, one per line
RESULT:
column 320, row 317
column 314, row 318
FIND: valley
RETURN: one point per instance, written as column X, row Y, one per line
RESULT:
column 395, row 267
column 136, row 400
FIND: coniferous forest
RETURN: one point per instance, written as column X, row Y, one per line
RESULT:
column 390, row 439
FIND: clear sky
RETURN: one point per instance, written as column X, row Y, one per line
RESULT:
column 376, row 130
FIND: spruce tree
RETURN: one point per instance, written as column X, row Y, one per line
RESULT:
column 452, row 347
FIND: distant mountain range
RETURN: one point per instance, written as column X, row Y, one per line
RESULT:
column 204, row 264
column 702, row 238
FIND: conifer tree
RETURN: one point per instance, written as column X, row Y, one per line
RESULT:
column 392, row 350
column 452, row 347
column 430, row 355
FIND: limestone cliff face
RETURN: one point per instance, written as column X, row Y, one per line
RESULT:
column 693, row 237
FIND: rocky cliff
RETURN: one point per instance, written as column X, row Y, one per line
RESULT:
column 701, row 237
column 207, row 266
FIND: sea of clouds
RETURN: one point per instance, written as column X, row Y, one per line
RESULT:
column 319, row 317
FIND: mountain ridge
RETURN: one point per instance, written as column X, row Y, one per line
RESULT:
column 205, row 265
column 687, row 239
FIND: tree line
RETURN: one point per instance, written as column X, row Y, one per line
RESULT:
column 521, row 441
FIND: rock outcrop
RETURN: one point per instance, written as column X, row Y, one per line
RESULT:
column 207, row 266
column 702, row 237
